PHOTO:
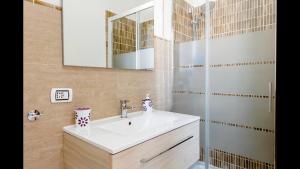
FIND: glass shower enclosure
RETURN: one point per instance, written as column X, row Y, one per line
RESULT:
column 224, row 71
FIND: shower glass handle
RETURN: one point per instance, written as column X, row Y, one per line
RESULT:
column 270, row 97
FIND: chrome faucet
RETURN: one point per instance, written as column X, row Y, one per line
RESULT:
column 124, row 107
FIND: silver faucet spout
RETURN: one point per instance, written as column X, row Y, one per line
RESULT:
column 124, row 107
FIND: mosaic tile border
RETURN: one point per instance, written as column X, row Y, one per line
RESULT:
column 187, row 66
column 192, row 92
column 223, row 159
column 39, row 2
column 239, row 125
column 225, row 94
column 188, row 92
column 179, row 91
column 242, row 95
column 262, row 62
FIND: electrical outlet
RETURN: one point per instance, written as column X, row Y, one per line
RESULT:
column 61, row 95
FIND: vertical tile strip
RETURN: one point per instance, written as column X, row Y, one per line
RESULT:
column 223, row 159
column 227, row 18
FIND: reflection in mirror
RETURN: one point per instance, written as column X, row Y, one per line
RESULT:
column 124, row 42
column 108, row 33
column 145, row 36
column 130, row 39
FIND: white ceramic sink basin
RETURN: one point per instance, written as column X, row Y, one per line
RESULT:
column 138, row 124
column 115, row 134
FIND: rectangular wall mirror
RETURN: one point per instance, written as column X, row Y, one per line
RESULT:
column 109, row 34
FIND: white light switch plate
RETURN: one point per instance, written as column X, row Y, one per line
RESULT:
column 61, row 95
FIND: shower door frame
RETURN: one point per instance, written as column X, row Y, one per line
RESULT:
column 207, row 83
column 207, row 79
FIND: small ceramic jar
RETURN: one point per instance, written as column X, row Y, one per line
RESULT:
column 82, row 117
column 147, row 104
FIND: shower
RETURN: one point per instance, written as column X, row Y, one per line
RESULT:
column 194, row 23
column 225, row 74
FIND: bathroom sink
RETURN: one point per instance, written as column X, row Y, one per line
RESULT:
column 138, row 123
column 115, row 134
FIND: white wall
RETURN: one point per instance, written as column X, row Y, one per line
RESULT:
column 163, row 19
column 145, row 15
column 59, row 2
column 54, row 2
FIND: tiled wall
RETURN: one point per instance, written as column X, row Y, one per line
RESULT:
column 147, row 34
column 182, row 21
column 101, row 89
column 124, row 34
column 227, row 18
column 223, row 159
column 232, row 17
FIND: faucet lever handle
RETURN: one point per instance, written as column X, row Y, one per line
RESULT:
column 124, row 101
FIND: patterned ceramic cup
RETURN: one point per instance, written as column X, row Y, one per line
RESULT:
column 147, row 105
column 82, row 117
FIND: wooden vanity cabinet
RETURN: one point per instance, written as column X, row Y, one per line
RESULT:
column 177, row 149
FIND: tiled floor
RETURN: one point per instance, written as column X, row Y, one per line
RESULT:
column 200, row 165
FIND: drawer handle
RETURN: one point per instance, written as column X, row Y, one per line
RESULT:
column 151, row 158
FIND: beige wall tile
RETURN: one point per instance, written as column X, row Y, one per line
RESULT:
column 101, row 89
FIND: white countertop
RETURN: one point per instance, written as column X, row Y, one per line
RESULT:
column 114, row 134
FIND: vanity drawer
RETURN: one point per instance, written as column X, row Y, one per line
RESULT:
column 177, row 149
